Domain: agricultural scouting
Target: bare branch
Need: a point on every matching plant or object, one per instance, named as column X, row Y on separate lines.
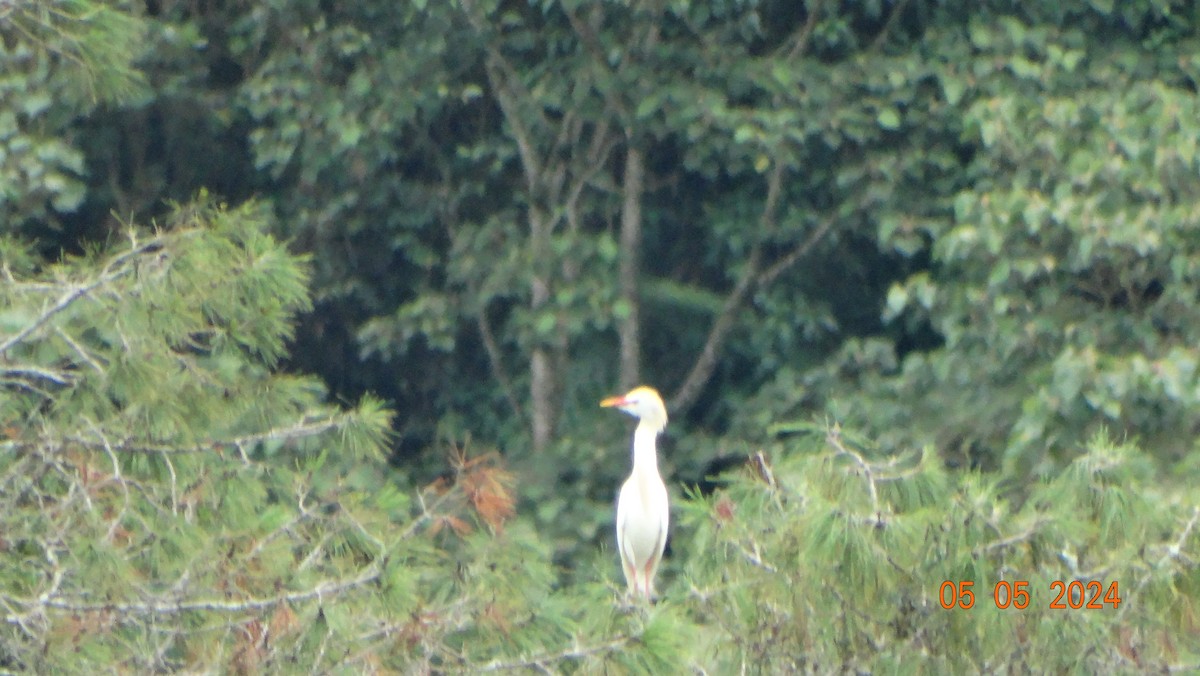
column 83, row 354
column 504, row 80
column 496, row 359
column 34, row 373
column 1025, row 535
column 800, row 43
column 769, row 275
column 1174, row 551
column 754, row 556
column 166, row 607
column 591, row 42
column 887, row 26
column 834, row 438
column 542, row 662
column 703, row 367
column 751, row 279
column 65, row 301
column 298, row 430
column 602, row 145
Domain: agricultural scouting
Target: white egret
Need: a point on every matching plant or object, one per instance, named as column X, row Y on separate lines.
column 642, row 509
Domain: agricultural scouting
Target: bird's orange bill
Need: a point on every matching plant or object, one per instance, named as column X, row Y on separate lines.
column 612, row 401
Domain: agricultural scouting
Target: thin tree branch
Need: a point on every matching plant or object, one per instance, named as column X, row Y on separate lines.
column 887, row 26
column 34, row 373
column 298, row 430
column 1174, row 551
column 1011, row 540
column 602, row 146
column 49, row 598
column 76, row 292
column 754, row 556
column 503, row 79
column 801, row 41
column 165, row 607
column 834, row 438
column 496, row 359
column 702, row 369
column 542, row 661
column 591, row 43
column 769, row 275
column 752, row 279
column 83, row 354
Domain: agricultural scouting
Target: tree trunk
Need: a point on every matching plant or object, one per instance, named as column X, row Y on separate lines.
column 541, row 367
column 629, row 327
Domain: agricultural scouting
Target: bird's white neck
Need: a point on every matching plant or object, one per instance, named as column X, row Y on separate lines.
column 645, row 454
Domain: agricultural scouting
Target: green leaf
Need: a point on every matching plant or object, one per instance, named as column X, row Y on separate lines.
column 621, row 309
column 470, row 92
column 744, row 133
column 647, row 107
column 897, row 300
column 35, row 103
column 889, row 118
column 545, row 324
column 953, row 89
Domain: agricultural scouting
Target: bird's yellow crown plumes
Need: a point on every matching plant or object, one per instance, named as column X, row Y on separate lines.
column 645, row 391
column 642, row 393
column 642, row 402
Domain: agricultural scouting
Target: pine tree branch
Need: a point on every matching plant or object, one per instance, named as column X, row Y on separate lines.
column 35, row 608
column 542, row 662
column 83, row 354
column 115, row 269
column 834, row 438
column 755, row 557
column 34, row 373
column 1025, row 535
column 161, row 607
column 28, row 387
column 1174, row 551
column 50, row 598
column 298, row 430
column 428, row 513
column 119, row 479
column 65, row 301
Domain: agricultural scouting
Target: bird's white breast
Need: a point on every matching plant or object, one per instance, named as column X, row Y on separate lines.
column 642, row 518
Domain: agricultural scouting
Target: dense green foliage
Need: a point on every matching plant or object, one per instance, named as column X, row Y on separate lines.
column 920, row 276
column 838, row 562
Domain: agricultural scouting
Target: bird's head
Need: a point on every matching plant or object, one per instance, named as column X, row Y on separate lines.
column 643, row 403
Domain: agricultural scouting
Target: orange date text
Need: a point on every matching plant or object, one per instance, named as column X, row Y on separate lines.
column 1076, row 594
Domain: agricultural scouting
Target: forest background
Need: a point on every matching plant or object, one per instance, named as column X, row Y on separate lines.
column 308, row 306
